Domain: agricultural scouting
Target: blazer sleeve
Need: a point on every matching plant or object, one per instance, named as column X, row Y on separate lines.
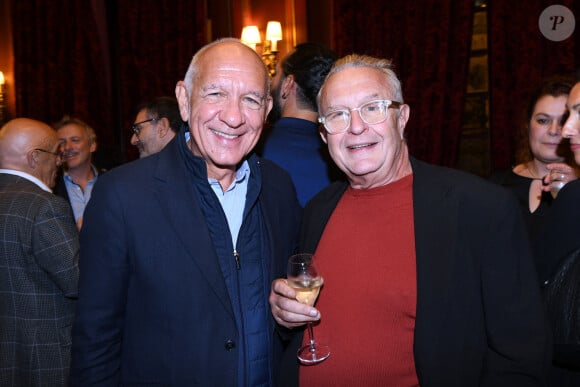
column 104, row 273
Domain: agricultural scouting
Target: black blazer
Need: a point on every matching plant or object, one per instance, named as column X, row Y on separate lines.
column 480, row 320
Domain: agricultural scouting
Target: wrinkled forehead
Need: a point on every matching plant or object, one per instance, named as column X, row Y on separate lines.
column 574, row 98
column 231, row 62
column 354, row 83
column 72, row 130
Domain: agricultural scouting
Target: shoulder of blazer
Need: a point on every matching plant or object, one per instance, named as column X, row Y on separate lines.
column 316, row 214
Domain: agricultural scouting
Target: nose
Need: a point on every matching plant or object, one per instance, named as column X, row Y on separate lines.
column 232, row 114
column 134, row 140
column 66, row 145
column 555, row 128
column 357, row 125
column 570, row 128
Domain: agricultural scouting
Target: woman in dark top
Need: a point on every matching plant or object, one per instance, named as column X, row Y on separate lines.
column 539, row 151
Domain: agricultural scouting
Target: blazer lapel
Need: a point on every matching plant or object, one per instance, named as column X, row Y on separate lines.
column 178, row 202
column 435, row 216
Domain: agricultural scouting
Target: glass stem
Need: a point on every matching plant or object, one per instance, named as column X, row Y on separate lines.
column 311, row 334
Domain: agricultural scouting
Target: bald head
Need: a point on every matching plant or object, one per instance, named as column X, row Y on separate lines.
column 225, row 99
column 222, row 50
column 30, row 146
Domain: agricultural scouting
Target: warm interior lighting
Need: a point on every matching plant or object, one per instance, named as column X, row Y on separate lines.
column 274, row 33
column 2, row 102
column 251, row 36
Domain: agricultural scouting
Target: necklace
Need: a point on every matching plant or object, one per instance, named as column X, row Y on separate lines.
column 532, row 172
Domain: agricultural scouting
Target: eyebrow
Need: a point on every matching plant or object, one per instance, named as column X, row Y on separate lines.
column 214, row 86
column 368, row 98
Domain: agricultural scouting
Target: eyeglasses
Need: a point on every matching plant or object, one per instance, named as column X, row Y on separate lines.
column 372, row 112
column 136, row 127
column 57, row 154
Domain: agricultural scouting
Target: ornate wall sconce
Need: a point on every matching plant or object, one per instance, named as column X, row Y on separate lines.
column 251, row 37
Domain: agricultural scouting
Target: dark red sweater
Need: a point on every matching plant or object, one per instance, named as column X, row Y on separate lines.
column 367, row 258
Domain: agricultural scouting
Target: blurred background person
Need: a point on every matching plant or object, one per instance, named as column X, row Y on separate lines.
column 38, row 259
column 78, row 175
column 156, row 124
column 540, row 150
column 294, row 142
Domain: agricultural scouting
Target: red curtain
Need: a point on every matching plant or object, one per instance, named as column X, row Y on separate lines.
column 97, row 60
column 520, row 56
column 429, row 44
column 156, row 43
column 58, row 63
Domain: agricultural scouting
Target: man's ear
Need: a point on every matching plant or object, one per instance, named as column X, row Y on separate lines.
column 323, row 133
column 183, row 100
column 287, row 86
column 93, row 147
column 403, row 118
column 32, row 158
column 163, row 126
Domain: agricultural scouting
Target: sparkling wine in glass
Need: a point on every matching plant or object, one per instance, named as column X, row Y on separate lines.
column 304, row 277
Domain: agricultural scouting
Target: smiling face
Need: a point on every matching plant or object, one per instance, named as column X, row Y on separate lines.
column 227, row 107
column 571, row 128
column 370, row 155
column 76, row 146
column 545, row 128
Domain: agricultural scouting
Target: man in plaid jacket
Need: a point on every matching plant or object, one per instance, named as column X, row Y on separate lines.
column 38, row 259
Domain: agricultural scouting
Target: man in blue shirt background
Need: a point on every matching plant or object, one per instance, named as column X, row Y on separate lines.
column 79, row 175
column 294, row 142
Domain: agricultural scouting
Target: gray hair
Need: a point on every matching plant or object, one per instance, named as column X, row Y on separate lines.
column 68, row 120
column 385, row 66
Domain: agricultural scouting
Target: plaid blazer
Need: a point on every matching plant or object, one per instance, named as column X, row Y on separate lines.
column 38, row 284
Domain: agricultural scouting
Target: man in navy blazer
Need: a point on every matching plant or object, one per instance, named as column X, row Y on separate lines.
column 178, row 249
column 428, row 275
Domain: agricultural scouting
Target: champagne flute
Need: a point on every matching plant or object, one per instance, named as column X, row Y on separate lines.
column 557, row 181
column 303, row 276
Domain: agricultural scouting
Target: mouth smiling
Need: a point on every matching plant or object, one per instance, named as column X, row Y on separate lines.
column 360, row 146
column 225, row 135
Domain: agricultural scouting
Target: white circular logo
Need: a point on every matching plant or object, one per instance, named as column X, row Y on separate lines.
column 557, row 23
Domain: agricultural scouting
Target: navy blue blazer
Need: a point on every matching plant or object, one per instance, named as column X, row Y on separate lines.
column 480, row 320
column 153, row 304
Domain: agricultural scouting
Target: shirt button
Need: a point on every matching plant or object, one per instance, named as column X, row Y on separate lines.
column 230, row 345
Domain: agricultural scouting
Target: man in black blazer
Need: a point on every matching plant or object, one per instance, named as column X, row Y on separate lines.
column 38, row 259
column 179, row 248
column 428, row 276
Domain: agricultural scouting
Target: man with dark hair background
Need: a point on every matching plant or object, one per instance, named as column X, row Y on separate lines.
column 155, row 125
column 294, row 142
